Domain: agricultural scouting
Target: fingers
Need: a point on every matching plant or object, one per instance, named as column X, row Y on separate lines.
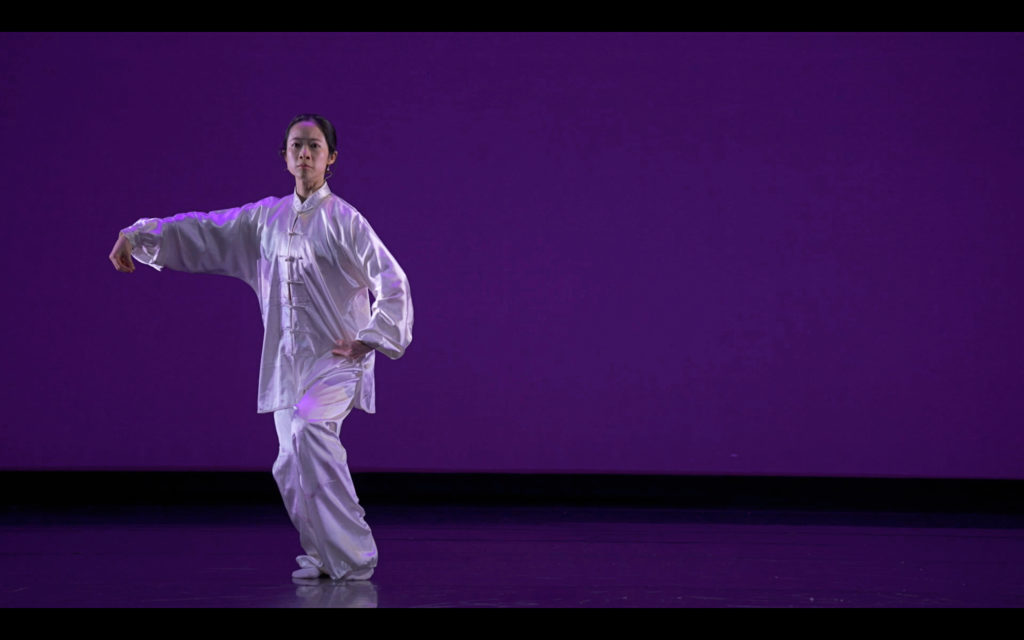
column 121, row 255
column 347, row 349
column 122, row 263
column 351, row 349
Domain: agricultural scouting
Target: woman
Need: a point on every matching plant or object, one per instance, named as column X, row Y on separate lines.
column 311, row 258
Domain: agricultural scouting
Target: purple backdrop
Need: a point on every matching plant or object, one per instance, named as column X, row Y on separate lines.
column 662, row 253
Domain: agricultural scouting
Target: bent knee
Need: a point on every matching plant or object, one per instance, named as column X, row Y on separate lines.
column 304, row 431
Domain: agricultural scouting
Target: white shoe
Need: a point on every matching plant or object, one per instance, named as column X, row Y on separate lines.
column 308, row 573
column 359, row 575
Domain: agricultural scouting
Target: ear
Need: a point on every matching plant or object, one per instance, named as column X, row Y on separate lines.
column 331, row 159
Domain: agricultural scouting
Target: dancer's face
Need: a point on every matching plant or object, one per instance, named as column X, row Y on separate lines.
column 307, row 153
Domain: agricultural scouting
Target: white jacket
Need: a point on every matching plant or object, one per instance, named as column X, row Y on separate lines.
column 312, row 264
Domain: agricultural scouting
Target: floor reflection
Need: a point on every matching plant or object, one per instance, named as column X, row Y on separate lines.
column 488, row 557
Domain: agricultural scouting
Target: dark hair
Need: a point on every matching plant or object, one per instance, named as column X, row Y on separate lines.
column 323, row 123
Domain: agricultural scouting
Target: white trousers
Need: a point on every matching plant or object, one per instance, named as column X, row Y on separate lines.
column 312, row 474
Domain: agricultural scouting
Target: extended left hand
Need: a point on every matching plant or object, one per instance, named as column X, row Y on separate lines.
column 352, row 349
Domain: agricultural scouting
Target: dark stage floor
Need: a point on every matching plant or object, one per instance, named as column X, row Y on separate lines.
column 463, row 556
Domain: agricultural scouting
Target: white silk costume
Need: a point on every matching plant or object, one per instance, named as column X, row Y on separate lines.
column 311, row 264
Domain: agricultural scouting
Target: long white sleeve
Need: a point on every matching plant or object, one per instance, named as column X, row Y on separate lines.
column 224, row 242
column 391, row 319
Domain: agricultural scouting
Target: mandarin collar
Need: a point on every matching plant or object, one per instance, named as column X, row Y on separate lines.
column 312, row 201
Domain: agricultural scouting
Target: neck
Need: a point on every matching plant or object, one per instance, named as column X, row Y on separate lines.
column 304, row 189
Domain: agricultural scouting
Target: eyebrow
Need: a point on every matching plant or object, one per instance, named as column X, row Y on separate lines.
column 301, row 139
